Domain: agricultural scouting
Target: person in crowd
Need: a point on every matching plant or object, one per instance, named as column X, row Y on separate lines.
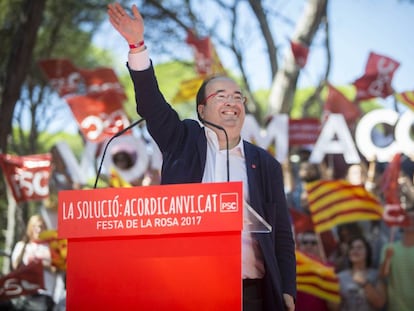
column 397, row 267
column 360, row 285
column 345, row 233
column 360, row 174
column 31, row 249
column 309, row 244
column 357, row 174
column 195, row 153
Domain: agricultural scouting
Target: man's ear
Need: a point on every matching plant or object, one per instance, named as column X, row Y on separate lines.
column 200, row 110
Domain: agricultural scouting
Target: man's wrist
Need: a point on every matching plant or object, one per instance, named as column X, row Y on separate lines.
column 136, row 45
column 137, row 50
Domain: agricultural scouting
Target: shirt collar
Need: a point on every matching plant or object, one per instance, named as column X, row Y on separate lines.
column 212, row 141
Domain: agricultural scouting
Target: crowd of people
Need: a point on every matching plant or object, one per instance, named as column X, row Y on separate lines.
column 374, row 262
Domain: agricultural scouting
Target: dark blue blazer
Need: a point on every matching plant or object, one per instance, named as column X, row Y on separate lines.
column 184, row 147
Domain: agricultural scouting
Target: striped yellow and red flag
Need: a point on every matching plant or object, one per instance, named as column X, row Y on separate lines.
column 407, row 98
column 316, row 278
column 334, row 202
column 116, row 180
column 188, row 90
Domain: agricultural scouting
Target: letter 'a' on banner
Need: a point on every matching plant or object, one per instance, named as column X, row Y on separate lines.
column 169, row 247
column 253, row 222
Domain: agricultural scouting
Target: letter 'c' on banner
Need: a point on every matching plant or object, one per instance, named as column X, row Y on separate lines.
column 402, row 134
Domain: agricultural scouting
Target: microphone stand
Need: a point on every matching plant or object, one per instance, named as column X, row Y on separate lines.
column 109, row 141
column 227, row 144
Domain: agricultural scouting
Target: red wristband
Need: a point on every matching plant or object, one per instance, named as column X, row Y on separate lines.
column 137, row 45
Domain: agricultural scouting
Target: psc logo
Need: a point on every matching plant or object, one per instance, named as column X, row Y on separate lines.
column 229, row 202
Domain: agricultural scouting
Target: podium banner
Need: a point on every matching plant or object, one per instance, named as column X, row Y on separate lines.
column 151, row 210
column 169, row 247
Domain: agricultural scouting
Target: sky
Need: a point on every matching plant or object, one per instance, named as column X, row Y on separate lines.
column 381, row 26
column 357, row 27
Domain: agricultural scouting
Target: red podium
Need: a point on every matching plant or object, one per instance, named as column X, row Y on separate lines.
column 172, row 247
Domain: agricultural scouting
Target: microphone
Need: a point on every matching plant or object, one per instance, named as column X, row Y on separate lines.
column 109, row 141
column 227, row 143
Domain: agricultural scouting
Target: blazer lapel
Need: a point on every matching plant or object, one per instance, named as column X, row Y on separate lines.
column 253, row 176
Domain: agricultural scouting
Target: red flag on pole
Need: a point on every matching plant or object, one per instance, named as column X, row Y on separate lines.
column 389, row 180
column 25, row 280
column 376, row 82
column 336, row 102
column 62, row 74
column 300, row 53
column 99, row 115
column 206, row 58
column 27, row 176
column 395, row 216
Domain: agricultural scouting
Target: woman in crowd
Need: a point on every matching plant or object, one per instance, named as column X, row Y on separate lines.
column 32, row 249
column 361, row 289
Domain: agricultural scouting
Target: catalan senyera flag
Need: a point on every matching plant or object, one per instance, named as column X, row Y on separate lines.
column 188, row 89
column 333, row 202
column 407, row 98
column 316, row 278
column 117, row 181
column 58, row 248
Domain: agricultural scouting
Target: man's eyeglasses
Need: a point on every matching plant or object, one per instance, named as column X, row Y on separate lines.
column 223, row 98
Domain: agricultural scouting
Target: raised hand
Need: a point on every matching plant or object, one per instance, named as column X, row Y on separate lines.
column 129, row 27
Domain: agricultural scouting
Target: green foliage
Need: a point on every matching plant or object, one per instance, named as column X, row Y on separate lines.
column 169, row 75
column 67, row 30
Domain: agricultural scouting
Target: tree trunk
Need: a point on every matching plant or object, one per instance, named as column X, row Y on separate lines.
column 18, row 65
column 284, row 83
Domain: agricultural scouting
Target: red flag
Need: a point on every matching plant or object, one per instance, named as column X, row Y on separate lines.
column 27, row 176
column 334, row 202
column 300, row 53
column 395, row 215
column 376, row 82
column 206, row 58
column 102, row 79
column 301, row 221
column 336, row 102
column 25, row 280
column 389, row 180
column 63, row 75
column 67, row 79
column 99, row 115
column 304, row 131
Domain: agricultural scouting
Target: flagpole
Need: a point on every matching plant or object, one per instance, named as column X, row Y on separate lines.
column 387, row 260
column 320, row 247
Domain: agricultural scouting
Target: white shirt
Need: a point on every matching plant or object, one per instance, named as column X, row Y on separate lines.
column 216, row 171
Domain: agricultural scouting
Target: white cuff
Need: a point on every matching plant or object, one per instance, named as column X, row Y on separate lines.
column 139, row 61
